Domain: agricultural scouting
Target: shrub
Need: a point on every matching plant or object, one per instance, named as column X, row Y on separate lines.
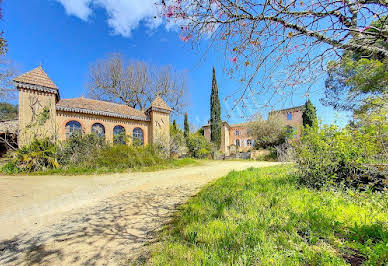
column 10, row 168
column 331, row 156
column 198, row 146
column 39, row 155
column 177, row 142
column 268, row 133
column 80, row 149
column 124, row 156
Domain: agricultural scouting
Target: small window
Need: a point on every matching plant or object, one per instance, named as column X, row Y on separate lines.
column 237, row 142
column 73, row 127
column 249, row 142
column 119, row 135
column 237, row 133
column 289, row 116
column 99, row 130
column 138, row 138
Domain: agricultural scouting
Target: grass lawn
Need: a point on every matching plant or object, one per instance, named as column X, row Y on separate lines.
column 167, row 164
column 261, row 216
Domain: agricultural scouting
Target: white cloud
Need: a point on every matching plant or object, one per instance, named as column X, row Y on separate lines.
column 123, row 15
column 78, row 8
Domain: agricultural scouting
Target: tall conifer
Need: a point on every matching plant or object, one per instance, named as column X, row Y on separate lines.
column 309, row 115
column 186, row 126
column 215, row 113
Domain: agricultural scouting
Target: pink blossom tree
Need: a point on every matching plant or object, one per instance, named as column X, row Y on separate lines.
column 276, row 46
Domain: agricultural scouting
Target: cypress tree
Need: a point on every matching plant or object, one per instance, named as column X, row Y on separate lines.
column 174, row 125
column 215, row 113
column 186, row 126
column 309, row 115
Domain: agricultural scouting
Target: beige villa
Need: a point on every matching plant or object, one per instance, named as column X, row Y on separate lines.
column 42, row 113
column 235, row 136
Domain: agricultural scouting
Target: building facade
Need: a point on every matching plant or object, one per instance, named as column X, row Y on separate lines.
column 42, row 113
column 235, row 137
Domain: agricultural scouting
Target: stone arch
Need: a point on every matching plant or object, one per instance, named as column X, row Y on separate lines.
column 138, row 136
column 72, row 127
column 119, row 134
column 98, row 129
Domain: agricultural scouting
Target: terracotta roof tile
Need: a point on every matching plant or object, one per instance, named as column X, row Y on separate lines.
column 101, row 106
column 158, row 102
column 36, row 76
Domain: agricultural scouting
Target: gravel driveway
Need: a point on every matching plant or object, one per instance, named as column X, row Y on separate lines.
column 94, row 220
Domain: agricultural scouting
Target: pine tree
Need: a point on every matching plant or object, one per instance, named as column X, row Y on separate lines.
column 186, row 126
column 309, row 115
column 215, row 113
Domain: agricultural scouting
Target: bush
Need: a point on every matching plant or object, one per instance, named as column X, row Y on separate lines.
column 10, row 168
column 333, row 156
column 124, row 156
column 80, row 149
column 198, row 146
column 268, row 133
column 177, row 142
column 37, row 156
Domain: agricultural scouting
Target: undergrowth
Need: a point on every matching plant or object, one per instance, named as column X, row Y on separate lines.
column 262, row 216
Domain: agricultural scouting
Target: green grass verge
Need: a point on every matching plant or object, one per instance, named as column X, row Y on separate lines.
column 261, row 216
column 167, row 164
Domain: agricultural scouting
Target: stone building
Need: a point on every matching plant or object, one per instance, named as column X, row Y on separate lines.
column 42, row 113
column 235, row 136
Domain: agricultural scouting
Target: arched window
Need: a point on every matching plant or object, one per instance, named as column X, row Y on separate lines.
column 119, row 135
column 98, row 129
column 72, row 127
column 138, row 137
column 237, row 142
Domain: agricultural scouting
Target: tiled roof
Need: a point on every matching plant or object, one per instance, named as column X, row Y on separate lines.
column 288, row 109
column 85, row 105
column 36, row 76
column 158, row 102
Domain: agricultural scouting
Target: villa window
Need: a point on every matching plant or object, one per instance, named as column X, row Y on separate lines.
column 138, row 137
column 99, row 130
column 119, row 135
column 289, row 116
column 72, row 127
column 237, row 133
column 237, row 142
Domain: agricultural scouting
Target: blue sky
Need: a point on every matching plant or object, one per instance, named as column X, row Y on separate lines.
column 66, row 36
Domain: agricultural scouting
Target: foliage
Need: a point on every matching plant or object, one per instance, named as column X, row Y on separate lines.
column 174, row 126
column 263, row 217
column 8, row 111
column 268, row 133
column 10, row 168
column 215, row 114
column 333, row 156
column 80, row 149
column 350, row 81
column 126, row 156
column 186, row 127
column 177, row 142
column 198, row 146
column 37, row 156
column 136, row 83
column 287, row 41
column 309, row 115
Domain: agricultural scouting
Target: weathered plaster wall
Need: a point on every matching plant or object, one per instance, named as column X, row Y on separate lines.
column 31, row 105
column 160, row 128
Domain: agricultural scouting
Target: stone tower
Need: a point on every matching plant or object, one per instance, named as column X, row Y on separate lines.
column 37, row 98
column 159, row 112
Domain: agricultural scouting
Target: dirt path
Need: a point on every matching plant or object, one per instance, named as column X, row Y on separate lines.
column 93, row 220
